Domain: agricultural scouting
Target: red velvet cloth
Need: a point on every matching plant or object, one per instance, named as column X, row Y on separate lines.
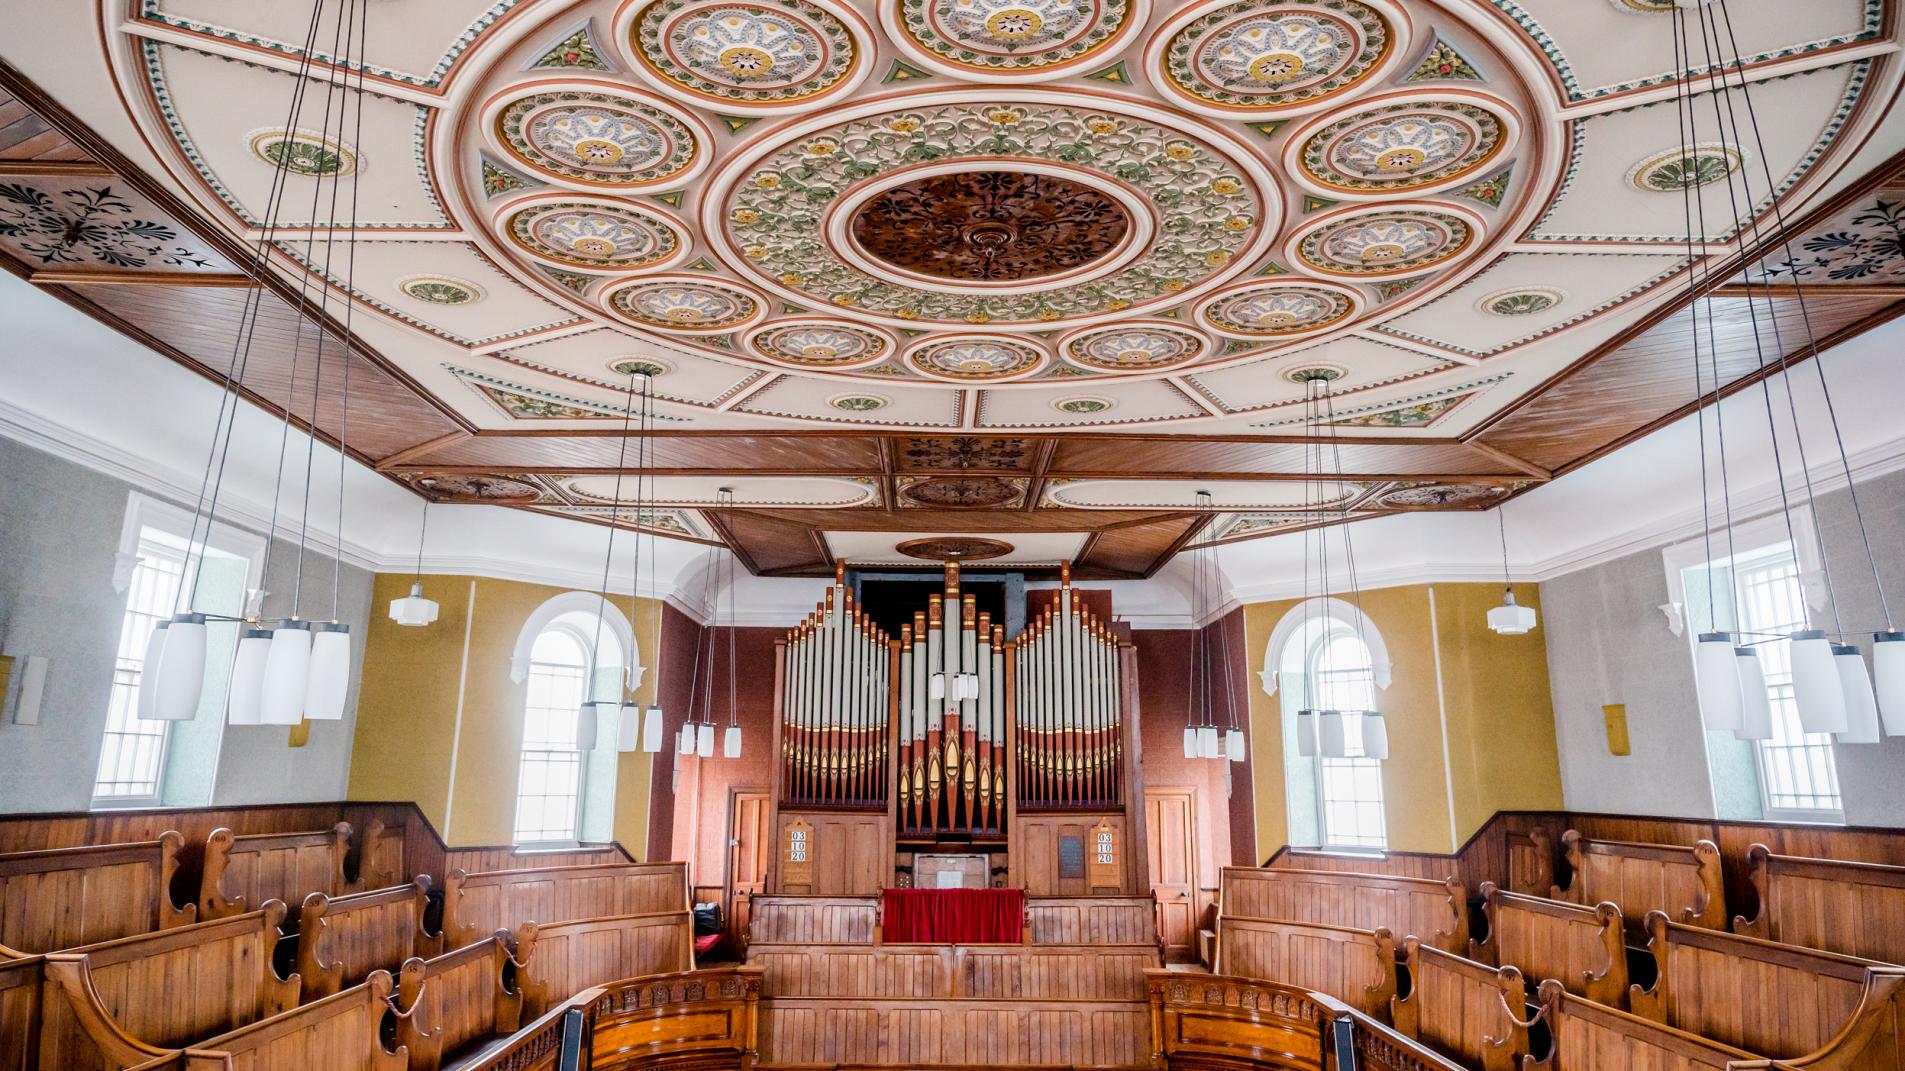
column 952, row 916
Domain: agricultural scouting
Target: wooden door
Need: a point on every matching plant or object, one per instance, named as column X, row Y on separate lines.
column 1170, row 829
column 748, row 845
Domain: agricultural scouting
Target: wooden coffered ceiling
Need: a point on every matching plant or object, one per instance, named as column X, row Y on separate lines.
column 182, row 281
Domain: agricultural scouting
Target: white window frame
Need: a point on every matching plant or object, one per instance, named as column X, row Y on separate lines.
column 144, row 513
column 1332, row 617
column 581, row 757
column 1333, row 629
column 568, row 611
column 1749, row 540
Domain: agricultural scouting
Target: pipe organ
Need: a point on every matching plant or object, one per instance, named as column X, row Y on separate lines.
column 954, row 736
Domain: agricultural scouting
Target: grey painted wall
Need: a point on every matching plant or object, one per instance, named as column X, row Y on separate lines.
column 59, row 532
column 1608, row 643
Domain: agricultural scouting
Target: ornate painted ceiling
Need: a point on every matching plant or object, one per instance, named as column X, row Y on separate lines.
column 1088, row 254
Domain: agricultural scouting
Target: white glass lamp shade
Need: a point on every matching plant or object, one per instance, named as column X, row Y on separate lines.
column 1306, row 733
column 149, row 671
column 704, row 740
column 1190, row 741
column 1716, row 678
column 1511, row 618
column 652, row 730
column 330, row 682
column 287, row 674
column 1332, row 741
column 413, row 609
column 1817, row 690
column 244, row 703
column 685, row 739
column 1375, row 736
column 1861, row 707
column 1234, row 745
column 181, row 677
column 1756, row 707
column 628, row 728
column 936, row 686
column 587, row 727
column 1888, row 679
column 1208, row 744
column 731, row 743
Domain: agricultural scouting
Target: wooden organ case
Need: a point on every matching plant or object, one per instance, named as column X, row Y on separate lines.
column 953, row 749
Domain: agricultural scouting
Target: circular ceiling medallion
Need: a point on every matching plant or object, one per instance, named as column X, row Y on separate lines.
column 303, row 152
column 599, row 136
column 652, row 367
column 691, row 304
column 859, row 403
column 1433, row 495
column 749, row 55
column 1315, row 373
column 1134, row 346
column 605, row 236
column 440, row 289
column 822, row 343
column 1386, row 241
column 1679, row 168
column 1083, row 404
column 479, row 488
column 1414, row 145
column 962, row 492
column 1027, row 40
column 990, row 226
column 955, row 548
column 1521, row 300
column 1062, row 213
column 976, row 358
column 1279, row 309
column 1263, row 58
column 1651, row 7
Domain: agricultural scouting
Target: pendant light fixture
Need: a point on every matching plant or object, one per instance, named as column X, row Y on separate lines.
column 629, row 735
column 1832, row 692
column 1510, row 618
column 731, row 738
column 413, row 610
column 589, row 712
column 1202, row 739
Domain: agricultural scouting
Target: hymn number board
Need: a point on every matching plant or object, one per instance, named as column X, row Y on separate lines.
column 1105, row 857
column 797, row 853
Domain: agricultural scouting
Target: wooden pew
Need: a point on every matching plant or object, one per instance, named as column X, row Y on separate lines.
column 124, row 1002
column 1776, row 1000
column 813, row 920
column 563, row 958
column 1463, row 1008
column 66, row 897
column 505, row 899
column 1092, row 920
column 238, row 871
column 1436, row 911
column 1850, row 908
column 341, row 1032
column 510, row 857
column 954, row 1033
column 1530, row 862
column 1585, row 948
column 1638, row 878
column 342, row 941
column 376, row 857
column 21, row 978
column 955, row 972
column 1357, row 967
column 457, row 1004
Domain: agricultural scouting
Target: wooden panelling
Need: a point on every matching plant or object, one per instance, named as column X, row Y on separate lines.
column 1583, row 947
column 1183, row 455
column 20, row 983
column 237, row 873
column 1379, row 1048
column 813, row 920
column 707, row 1018
column 1435, row 911
column 1356, row 967
column 562, row 959
column 1212, row 1022
column 1139, row 549
column 106, row 1002
column 1020, row 1033
column 1857, row 909
column 1771, row 999
column 852, row 854
column 343, row 941
column 483, row 860
column 1531, row 859
column 1463, row 1008
column 1035, row 854
column 958, row 972
column 456, row 1002
column 1593, row 1037
column 25, row 136
column 571, row 452
column 1092, row 920
column 63, row 897
column 506, row 899
column 1682, row 881
column 338, row 1033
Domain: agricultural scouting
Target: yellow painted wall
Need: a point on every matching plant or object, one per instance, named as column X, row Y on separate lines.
column 1501, row 742
column 409, row 734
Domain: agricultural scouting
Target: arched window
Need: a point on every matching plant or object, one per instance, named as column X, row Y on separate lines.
column 566, row 658
column 1325, row 655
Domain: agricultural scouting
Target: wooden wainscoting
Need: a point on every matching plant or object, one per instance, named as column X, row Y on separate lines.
column 1434, row 910
column 814, row 920
column 851, row 852
column 900, row 1033
column 564, row 958
column 1357, row 967
column 1091, row 920
column 956, row 972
